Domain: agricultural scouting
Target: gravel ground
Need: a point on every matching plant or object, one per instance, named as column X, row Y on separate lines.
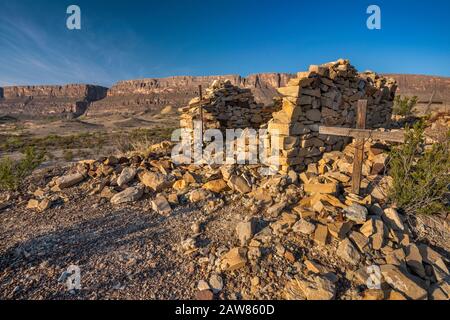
column 131, row 252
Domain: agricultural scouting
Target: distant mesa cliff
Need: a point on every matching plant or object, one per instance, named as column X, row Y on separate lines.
column 151, row 95
column 424, row 87
column 35, row 101
column 135, row 96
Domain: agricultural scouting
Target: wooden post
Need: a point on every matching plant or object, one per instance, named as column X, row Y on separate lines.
column 200, row 93
column 359, row 147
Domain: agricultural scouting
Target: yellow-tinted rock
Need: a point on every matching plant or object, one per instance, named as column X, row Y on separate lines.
column 216, row 186
column 234, row 259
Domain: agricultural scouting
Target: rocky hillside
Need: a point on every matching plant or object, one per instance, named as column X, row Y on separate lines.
column 136, row 96
column 32, row 101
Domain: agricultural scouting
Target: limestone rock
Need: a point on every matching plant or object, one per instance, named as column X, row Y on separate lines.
column 128, row 195
column 356, row 213
column 216, row 186
column 412, row 287
column 161, row 205
column 375, row 230
column 32, row 204
column 126, row 176
column 69, row 180
column 180, row 185
column 203, row 285
column 392, row 218
column 305, row 227
column 359, row 239
column 234, row 259
column 216, row 283
column 245, row 231
column 315, row 267
column 348, row 252
column 198, row 195
column 414, row 260
column 321, row 234
column 339, row 230
column 320, row 288
column 239, row 184
column 155, row 181
column 320, row 188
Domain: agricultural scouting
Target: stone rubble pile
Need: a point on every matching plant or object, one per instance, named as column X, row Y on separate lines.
column 225, row 106
column 314, row 210
column 326, row 95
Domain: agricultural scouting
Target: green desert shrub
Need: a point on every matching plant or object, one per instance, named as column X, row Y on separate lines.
column 403, row 106
column 421, row 176
column 12, row 172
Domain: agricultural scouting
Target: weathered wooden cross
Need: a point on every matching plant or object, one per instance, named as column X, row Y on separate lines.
column 361, row 134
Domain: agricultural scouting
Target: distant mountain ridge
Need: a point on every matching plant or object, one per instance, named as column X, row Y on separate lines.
column 153, row 94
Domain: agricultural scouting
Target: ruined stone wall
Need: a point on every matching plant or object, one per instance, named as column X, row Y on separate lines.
column 326, row 95
column 225, row 106
column 37, row 101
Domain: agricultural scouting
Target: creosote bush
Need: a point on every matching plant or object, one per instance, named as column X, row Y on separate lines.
column 421, row 175
column 12, row 172
column 404, row 106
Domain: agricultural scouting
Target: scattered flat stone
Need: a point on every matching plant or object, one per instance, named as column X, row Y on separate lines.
column 180, row 185
column 239, row 184
column 392, row 218
column 327, row 188
column 216, row 186
column 379, row 237
column 320, row 288
column 33, row 204
column 374, row 230
column 347, row 252
column 155, row 181
column 305, row 227
column 44, row 205
column 433, row 258
column 245, row 231
column 356, row 213
column 126, row 176
column 69, row 180
column 373, row 294
column 316, row 267
column 198, row 195
column 234, row 259
column 321, row 234
column 359, row 239
column 276, row 209
column 203, row 285
column 216, row 283
column 414, row 260
column 189, row 178
column 284, row 224
column 339, row 230
column 128, row 195
column 410, row 286
column 161, row 205
column 395, row 296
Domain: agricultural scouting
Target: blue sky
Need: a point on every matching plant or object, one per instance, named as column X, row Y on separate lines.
column 136, row 39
